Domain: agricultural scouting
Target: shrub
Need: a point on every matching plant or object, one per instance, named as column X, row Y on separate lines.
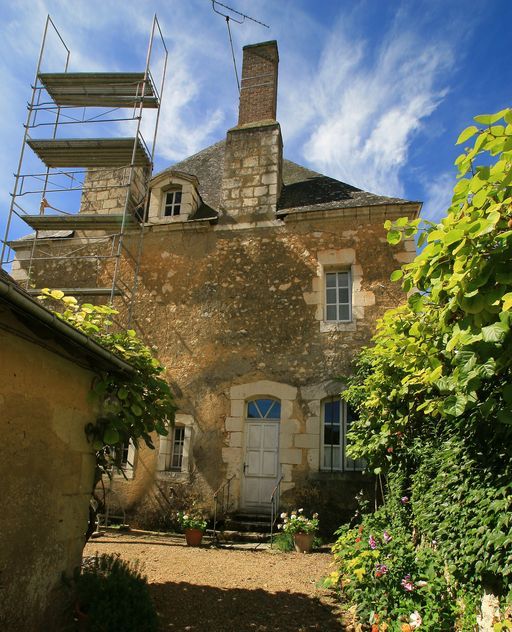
column 113, row 595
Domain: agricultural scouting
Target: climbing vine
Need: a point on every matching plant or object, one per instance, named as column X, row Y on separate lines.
column 434, row 391
column 130, row 406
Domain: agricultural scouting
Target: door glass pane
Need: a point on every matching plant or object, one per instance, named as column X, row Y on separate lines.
column 275, row 411
column 264, row 406
column 252, row 411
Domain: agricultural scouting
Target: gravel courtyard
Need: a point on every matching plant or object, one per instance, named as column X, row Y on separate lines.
column 222, row 590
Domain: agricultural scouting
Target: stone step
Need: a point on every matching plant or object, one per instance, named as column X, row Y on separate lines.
column 229, row 535
column 257, row 526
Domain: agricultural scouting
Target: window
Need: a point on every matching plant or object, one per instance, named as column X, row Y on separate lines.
column 338, row 297
column 336, row 420
column 126, row 460
column 174, row 454
column 178, row 442
column 172, row 203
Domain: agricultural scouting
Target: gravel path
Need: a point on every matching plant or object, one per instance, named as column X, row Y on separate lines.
column 218, row 590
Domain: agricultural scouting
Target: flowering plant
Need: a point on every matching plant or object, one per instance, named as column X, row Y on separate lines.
column 191, row 521
column 297, row 522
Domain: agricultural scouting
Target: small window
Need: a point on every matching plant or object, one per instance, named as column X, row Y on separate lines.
column 172, row 203
column 178, row 443
column 336, row 420
column 338, row 297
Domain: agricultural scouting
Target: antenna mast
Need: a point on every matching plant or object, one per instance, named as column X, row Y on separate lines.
column 238, row 21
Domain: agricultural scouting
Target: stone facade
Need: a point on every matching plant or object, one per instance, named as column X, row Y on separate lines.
column 233, row 297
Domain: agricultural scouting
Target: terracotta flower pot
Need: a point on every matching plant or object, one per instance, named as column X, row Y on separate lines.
column 193, row 537
column 303, row 542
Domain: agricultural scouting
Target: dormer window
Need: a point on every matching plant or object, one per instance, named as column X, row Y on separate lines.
column 172, row 203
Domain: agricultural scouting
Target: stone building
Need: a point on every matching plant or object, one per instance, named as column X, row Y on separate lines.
column 259, row 281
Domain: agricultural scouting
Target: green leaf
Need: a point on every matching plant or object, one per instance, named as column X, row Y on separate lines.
column 467, row 133
column 136, row 410
column 494, row 333
column 455, row 405
column 111, row 436
column 453, row 236
column 57, row 294
column 394, row 237
column 396, row 275
column 401, row 222
column 507, row 301
column 479, row 198
column 505, row 416
column 489, row 119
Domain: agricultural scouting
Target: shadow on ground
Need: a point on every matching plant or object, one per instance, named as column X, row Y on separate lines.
column 182, row 606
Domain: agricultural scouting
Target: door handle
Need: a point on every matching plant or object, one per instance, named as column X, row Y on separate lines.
column 245, row 467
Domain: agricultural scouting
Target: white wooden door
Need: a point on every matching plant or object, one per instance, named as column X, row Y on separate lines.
column 261, row 464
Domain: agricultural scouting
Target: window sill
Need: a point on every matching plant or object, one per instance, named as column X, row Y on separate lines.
column 327, row 326
column 173, row 475
column 347, row 475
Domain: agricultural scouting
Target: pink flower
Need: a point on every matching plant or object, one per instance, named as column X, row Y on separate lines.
column 387, row 538
column 380, row 570
column 372, row 542
column 404, row 500
column 407, row 583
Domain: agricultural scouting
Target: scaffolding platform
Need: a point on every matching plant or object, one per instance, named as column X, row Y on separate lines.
column 79, row 221
column 91, row 152
column 100, row 89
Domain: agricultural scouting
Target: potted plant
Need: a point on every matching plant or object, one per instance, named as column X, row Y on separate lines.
column 301, row 528
column 194, row 527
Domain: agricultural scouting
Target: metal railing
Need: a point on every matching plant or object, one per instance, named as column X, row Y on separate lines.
column 221, row 502
column 275, row 501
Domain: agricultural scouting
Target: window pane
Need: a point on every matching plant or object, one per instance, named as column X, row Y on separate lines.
column 177, row 197
column 343, row 279
column 343, row 295
column 331, row 435
column 344, row 312
column 336, row 459
column 177, row 448
column 252, row 411
column 331, row 312
column 331, row 295
column 330, row 279
column 275, row 411
column 332, row 411
column 177, row 208
column 264, row 406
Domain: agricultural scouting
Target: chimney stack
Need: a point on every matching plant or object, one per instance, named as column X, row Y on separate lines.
column 252, row 177
column 258, row 90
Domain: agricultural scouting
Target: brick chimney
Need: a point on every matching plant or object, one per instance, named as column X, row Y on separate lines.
column 252, row 179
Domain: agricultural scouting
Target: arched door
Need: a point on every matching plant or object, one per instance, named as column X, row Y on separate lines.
column 261, row 458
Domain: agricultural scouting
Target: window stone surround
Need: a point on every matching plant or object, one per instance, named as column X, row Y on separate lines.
column 338, row 260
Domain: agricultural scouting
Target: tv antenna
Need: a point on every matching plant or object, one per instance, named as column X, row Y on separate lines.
column 240, row 19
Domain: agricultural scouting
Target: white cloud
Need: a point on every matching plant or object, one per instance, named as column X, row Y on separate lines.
column 365, row 104
column 439, row 192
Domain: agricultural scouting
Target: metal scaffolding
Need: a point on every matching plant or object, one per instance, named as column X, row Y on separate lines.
column 58, row 200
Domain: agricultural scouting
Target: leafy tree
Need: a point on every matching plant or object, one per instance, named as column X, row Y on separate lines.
column 434, row 391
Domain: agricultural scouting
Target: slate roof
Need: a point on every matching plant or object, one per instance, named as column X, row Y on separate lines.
column 303, row 190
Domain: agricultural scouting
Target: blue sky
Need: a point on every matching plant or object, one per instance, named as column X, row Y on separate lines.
column 372, row 93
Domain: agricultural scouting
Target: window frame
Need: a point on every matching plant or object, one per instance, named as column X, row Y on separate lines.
column 174, row 204
column 346, row 464
column 337, row 288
